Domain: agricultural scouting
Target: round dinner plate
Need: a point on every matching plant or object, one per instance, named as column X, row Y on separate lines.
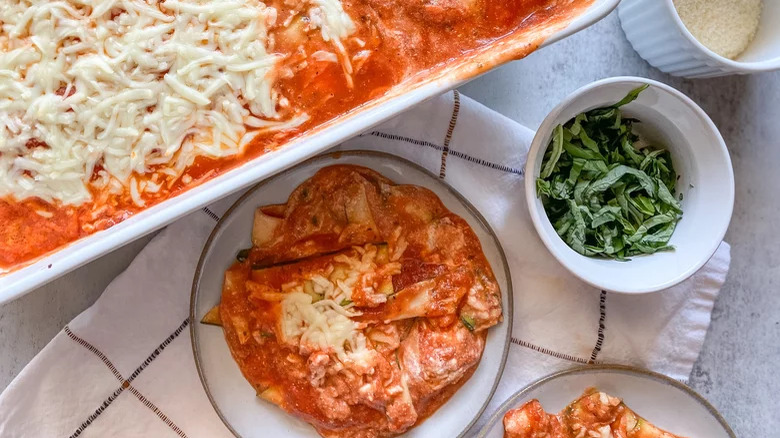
column 664, row 402
column 234, row 399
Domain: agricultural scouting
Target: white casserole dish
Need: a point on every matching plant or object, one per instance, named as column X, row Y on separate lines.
column 20, row 281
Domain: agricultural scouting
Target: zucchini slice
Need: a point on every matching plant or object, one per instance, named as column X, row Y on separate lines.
column 212, row 317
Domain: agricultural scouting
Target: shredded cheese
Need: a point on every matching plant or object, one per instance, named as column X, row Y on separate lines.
column 335, row 25
column 122, row 95
column 316, row 310
column 727, row 27
column 321, row 326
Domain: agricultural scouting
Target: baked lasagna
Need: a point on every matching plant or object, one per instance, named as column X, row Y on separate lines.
column 594, row 415
column 110, row 106
column 362, row 305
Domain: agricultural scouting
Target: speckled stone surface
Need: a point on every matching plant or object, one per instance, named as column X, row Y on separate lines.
column 737, row 370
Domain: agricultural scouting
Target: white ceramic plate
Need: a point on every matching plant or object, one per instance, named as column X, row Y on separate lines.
column 664, row 402
column 234, row 399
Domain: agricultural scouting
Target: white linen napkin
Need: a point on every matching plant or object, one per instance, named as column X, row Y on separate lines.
column 124, row 367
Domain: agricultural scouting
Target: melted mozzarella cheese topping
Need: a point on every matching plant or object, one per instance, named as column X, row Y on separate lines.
column 321, row 326
column 123, row 95
column 316, row 312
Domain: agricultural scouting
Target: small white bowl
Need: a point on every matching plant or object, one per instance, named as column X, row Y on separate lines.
column 658, row 34
column 706, row 179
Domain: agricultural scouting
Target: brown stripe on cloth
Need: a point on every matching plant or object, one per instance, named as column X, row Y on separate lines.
column 95, row 351
column 395, row 137
column 93, row 416
column 126, row 382
column 159, row 350
column 602, row 325
column 211, row 214
column 451, row 153
column 157, row 411
column 549, row 352
column 450, row 130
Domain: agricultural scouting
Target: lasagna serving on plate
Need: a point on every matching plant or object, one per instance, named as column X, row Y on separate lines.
column 110, row 106
column 594, row 415
column 362, row 305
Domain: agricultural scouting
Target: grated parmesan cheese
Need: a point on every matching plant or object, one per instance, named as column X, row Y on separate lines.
column 123, row 95
column 727, row 27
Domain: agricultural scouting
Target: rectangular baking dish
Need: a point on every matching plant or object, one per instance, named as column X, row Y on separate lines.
column 18, row 282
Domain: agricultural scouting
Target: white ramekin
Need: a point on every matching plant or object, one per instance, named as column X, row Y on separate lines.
column 659, row 36
column 706, row 179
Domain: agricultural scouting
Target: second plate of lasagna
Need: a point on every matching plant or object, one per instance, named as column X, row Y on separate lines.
column 598, row 401
column 354, row 295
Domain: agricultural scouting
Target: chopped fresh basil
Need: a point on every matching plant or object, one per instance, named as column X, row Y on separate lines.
column 604, row 195
column 468, row 322
column 631, row 96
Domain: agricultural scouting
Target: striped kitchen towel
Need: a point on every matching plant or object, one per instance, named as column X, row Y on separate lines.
column 124, row 367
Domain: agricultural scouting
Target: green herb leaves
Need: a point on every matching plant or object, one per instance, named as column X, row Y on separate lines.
column 557, row 149
column 468, row 322
column 631, row 96
column 604, row 196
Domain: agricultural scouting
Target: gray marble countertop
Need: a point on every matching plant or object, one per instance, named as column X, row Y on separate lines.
column 737, row 370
